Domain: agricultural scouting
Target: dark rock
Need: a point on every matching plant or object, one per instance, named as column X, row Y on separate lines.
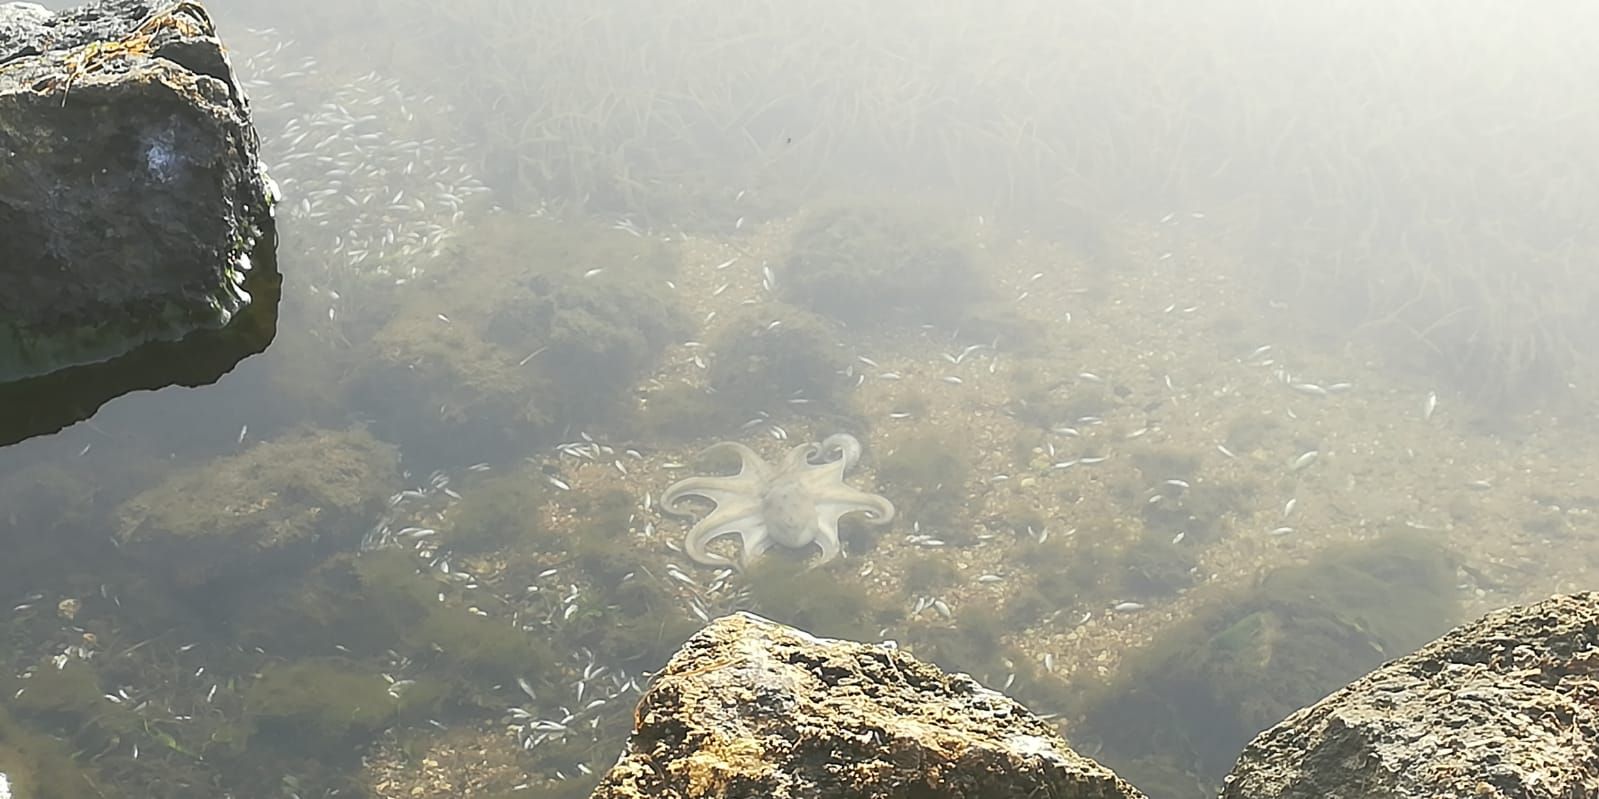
column 132, row 199
column 1507, row 706
column 752, row 708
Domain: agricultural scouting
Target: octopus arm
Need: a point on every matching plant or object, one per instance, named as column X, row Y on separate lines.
column 750, row 528
column 827, row 536
column 750, row 464
column 720, row 490
column 843, row 503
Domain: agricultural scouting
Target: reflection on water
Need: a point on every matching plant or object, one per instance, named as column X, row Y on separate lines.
column 1165, row 470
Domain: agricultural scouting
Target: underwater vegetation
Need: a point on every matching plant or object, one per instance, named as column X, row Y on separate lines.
column 1179, row 711
column 924, row 472
column 501, row 509
column 828, row 600
column 523, row 328
column 881, row 263
column 680, row 412
column 272, row 508
column 1445, row 224
column 37, row 764
column 328, row 706
column 779, row 359
column 1102, row 563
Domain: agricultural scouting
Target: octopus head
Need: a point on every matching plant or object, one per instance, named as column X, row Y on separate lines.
column 790, row 514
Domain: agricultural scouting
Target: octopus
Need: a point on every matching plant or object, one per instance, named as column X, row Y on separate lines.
column 794, row 504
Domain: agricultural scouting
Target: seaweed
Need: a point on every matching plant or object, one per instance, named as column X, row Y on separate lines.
column 498, row 511
column 777, row 359
column 530, row 327
column 875, row 263
column 827, row 601
column 1250, row 657
column 321, row 706
column 271, row 509
column 924, row 474
column 680, row 412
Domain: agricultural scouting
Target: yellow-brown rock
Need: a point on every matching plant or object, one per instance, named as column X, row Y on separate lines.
column 752, row 708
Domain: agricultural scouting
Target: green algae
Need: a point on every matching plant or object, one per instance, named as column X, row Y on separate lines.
column 924, row 474
column 272, row 508
column 324, row 706
column 929, row 572
column 524, row 328
column 497, row 511
column 778, row 358
column 869, row 263
column 828, row 600
column 39, row 766
column 1249, row 657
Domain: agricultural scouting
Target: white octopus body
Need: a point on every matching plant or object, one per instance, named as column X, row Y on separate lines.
column 793, row 504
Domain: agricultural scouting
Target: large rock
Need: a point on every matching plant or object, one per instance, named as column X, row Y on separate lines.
column 254, row 516
column 752, row 708
column 131, row 193
column 1507, row 706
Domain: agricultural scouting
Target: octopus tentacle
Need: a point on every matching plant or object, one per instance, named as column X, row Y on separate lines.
column 827, row 538
column 749, row 463
column 716, row 489
column 703, row 534
column 848, row 446
column 878, row 509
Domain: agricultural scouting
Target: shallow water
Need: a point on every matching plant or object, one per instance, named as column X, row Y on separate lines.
column 1202, row 382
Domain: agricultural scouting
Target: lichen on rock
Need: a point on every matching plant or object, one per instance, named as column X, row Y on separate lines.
column 749, row 707
column 1506, row 706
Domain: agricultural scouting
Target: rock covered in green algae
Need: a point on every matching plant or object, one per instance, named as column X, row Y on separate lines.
column 272, row 506
column 752, row 708
column 1506, row 706
column 527, row 327
column 131, row 192
column 870, row 263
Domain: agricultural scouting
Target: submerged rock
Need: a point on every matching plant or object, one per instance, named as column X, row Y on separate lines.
column 132, row 199
column 255, row 515
column 1507, row 706
column 752, row 708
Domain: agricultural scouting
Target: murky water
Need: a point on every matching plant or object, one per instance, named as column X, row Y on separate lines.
column 1209, row 358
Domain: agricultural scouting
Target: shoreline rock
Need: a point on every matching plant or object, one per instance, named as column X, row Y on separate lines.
column 1505, row 706
column 132, row 196
column 752, row 708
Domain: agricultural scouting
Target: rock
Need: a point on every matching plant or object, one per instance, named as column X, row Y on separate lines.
column 752, row 708
column 132, row 200
column 1507, row 706
column 253, row 516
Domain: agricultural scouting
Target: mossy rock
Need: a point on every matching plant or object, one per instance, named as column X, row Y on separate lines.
column 66, row 695
column 497, row 511
column 272, row 508
column 324, row 705
column 523, row 328
column 681, row 412
column 827, row 601
column 1249, row 658
column 778, row 359
column 924, row 474
column 39, row 766
column 884, row 262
